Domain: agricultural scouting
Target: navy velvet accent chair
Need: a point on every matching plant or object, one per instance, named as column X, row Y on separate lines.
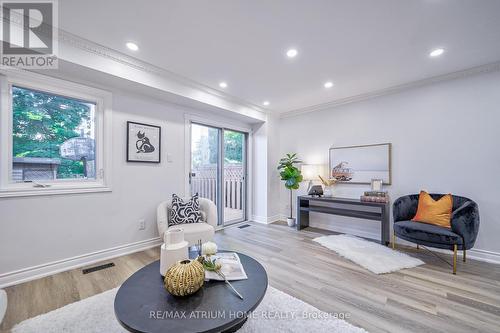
column 461, row 236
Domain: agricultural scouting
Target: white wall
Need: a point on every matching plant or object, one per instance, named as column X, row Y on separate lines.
column 266, row 178
column 274, row 182
column 260, row 175
column 44, row 229
column 445, row 138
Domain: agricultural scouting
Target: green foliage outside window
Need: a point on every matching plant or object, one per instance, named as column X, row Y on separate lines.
column 42, row 122
column 233, row 148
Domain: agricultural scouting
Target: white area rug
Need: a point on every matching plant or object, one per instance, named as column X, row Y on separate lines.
column 374, row 257
column 278, row 312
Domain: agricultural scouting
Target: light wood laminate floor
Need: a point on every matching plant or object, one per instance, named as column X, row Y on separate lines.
column 422, row 299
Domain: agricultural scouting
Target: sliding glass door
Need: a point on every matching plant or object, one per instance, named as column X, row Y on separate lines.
column 219, row 168
column 234, row 171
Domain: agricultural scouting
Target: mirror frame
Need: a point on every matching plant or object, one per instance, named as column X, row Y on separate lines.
column 389, row 145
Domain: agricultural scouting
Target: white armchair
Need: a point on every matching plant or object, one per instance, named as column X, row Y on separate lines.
column 192, row 231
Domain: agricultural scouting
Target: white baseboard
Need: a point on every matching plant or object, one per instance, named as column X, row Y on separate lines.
column 266, row 219
column 259, row 219
column 270, row 219
column 483, row 255
column 39, row 271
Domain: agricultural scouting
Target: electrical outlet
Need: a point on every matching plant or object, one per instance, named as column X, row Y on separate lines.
column 142, row 224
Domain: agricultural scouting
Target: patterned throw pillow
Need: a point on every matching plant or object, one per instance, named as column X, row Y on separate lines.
column 185, row 212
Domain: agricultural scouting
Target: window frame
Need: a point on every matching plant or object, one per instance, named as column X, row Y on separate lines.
column 103, row 135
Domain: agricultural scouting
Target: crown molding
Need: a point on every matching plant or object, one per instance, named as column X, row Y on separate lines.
column 482, row 69
column 124, row 59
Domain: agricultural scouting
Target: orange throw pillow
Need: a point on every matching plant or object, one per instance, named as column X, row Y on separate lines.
column 434, row 212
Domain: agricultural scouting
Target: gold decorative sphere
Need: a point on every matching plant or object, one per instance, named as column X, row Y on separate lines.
column 184, row 278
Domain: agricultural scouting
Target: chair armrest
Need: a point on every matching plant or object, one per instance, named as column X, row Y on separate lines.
column 465, row 222
column 405, row 208
column 210, row 210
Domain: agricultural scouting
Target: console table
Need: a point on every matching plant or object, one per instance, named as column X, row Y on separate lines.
column 305, row 205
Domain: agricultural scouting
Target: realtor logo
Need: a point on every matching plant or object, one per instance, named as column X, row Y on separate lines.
column 29, row 34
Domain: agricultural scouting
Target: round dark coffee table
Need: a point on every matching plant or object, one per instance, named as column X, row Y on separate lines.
column 143, row 305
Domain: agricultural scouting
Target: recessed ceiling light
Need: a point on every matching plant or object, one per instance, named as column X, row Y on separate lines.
column 436, row 53
column 223, row 84
column 291, row 53
column 328, row 84
column 132, row 46
column 265, row 103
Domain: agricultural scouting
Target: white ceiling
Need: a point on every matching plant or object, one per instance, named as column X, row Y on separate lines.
column 360, row 45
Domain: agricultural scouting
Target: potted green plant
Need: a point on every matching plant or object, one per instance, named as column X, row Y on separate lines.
column 292, row 177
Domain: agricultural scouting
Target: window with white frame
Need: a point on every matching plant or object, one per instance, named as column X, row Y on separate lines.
column 53, row 136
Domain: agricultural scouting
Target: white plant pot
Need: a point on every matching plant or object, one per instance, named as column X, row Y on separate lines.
column 290, row 221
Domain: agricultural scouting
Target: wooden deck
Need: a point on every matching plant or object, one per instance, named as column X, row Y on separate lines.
column 231, row 214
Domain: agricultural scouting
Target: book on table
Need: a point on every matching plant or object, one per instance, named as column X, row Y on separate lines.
column 231, row 267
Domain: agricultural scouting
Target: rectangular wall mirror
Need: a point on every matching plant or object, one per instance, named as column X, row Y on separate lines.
column 361, row 164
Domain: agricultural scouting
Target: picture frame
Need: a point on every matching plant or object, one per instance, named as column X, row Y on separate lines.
column 143, row 142
column 360, row 164
column 376, row 185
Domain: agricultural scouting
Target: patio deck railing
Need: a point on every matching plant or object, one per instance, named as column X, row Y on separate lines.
column 204, row 182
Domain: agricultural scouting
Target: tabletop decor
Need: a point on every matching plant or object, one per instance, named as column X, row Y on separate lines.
column 311, row 172
column 184, row 278
column 208, row 249
column 329, row 186
column 173, row 250
column 376, row 184
column 213, row 263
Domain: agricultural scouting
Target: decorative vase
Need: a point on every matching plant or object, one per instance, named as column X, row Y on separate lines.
column 290, row 221
column 174, row 249
column 184, row 278
column 328, row 191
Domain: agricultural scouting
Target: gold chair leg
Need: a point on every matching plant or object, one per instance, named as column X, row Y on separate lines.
column 465, row 252
column 393, row 240
column 455, row 259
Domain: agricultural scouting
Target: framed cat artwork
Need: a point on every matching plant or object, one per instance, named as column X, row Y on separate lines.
column 143, row 143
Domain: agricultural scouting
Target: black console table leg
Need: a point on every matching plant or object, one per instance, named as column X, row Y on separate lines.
column 385, row 227
column 302, row 215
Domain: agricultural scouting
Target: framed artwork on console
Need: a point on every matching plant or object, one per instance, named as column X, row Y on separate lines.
column 361, row 164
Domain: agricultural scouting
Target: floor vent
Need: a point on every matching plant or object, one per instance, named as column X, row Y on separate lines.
column 244, row 226
column 97, row 268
